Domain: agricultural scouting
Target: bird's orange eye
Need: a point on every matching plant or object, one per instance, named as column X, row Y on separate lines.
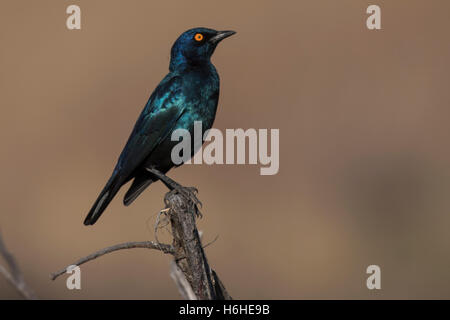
column 198, row 37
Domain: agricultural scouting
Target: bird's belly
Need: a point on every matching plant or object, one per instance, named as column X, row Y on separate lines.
column 161, row 157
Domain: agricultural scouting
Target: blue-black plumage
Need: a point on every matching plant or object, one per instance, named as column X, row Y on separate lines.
column 188, row 93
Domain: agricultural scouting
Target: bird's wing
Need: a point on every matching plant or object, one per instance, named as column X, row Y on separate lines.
column 163, row 109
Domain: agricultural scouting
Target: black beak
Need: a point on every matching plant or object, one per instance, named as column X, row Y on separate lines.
column 220, row 36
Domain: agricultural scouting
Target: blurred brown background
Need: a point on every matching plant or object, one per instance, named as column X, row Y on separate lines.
column 363, row 117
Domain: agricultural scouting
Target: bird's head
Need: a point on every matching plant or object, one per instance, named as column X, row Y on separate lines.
column 195, row 46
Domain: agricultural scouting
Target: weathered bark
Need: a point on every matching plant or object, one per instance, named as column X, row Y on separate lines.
column 188, row 251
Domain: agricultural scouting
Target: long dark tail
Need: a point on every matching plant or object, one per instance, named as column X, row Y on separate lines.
column 109, row 191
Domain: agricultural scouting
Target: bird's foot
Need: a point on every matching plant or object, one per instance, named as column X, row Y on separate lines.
column 190, row 195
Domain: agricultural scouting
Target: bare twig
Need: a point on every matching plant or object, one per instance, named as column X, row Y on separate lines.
column 127, row 245
column 209, row 243
column 15, row 277
column 180, row 280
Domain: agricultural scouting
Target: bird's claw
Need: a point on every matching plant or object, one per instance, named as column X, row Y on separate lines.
column 190, row 194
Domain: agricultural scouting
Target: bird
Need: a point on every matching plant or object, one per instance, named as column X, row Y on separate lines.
column 188, row 93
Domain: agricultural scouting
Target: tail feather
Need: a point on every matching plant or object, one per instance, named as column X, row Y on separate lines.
column 139, row 184
column 109, row 191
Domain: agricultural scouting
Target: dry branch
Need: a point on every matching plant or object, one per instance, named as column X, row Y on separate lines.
column 189, row 254
column 184, row 288
column 127, row 245
column 15, row 276
column 190, row 269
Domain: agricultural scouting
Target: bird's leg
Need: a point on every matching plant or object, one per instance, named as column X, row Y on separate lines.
column 190, row 193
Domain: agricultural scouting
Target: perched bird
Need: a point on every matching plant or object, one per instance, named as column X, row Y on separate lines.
column 188, row 93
